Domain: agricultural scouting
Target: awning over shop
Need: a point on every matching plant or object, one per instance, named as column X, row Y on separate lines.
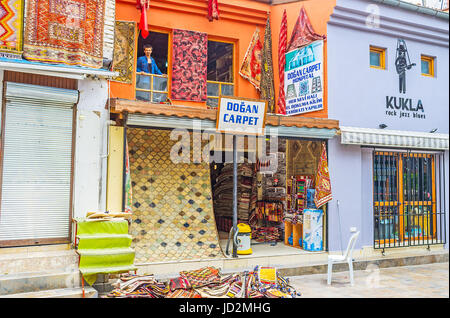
column 393, row 138
column 170, row 116
column 58, row 70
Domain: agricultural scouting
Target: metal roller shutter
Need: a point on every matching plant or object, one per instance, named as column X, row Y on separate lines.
column 37, row 162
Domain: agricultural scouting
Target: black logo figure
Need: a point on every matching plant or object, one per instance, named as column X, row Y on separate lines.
column 402, row 63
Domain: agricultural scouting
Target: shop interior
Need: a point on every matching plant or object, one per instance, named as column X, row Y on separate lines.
column 275, row 199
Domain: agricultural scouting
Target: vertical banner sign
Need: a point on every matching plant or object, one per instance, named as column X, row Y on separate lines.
column 241, row 116
column 303, row 79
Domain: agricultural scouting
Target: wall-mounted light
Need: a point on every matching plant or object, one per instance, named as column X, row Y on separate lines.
column 433, row 130
column 382, row 126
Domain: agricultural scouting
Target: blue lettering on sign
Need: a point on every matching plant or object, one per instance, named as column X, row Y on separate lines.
column 243, row 109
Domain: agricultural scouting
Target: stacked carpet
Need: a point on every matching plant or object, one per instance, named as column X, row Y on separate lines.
column 223, row 191
column 207, row 282
column 267, row 234
column 104, row 247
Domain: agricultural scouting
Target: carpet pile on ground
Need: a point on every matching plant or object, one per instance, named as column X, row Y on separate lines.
column 207, row 282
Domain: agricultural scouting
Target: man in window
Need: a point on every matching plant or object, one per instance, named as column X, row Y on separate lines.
column 146, row 64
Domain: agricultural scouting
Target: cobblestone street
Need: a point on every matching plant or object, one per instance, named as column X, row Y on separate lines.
column 419, row 281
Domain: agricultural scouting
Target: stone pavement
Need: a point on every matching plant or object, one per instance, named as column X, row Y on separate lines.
column 418, row 281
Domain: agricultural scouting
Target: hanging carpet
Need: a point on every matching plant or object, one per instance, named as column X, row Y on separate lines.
column 267, row 74
column 282, row 63
column 303, row 32
column 189, row 65
column 251, row 65
column 65, row 31
column 124, row 43
column 11, row 28
column 173, row 215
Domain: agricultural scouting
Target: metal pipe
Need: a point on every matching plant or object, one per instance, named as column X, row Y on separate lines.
column 124, row 165
column 235, row 159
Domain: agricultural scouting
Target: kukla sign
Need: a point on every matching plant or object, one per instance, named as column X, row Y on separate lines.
column 303, row 79
column 403, row 107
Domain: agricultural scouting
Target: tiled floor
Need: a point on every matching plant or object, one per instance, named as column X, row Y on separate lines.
column 419, row 281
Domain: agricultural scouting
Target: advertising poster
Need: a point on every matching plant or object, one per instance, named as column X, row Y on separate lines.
column 303, row 79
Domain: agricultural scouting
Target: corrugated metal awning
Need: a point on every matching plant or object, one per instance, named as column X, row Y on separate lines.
column 393, row 138
column 173, row 116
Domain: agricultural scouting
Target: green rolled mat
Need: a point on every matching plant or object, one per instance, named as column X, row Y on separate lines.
column 100, row 241
column 102, row 227
column 104, row 248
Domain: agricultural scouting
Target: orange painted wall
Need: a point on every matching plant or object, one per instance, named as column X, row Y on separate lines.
column 318, row 13
column 238, row 20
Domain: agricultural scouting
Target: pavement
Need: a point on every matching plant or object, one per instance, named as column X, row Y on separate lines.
column 418, row 281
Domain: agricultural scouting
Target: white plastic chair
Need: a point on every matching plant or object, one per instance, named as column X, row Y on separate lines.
column 333, row 259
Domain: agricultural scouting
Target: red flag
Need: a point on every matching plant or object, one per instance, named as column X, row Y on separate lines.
column 281, row 64
column 213, row 10
column 143, row 5
column 303, row 32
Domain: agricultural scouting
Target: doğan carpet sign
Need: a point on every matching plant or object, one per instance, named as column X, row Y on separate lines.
column 65, row 31
column 303, row 81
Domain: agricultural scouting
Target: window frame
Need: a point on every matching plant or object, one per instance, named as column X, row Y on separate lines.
column 168, row 76
column 430, row 60
column 233, row 67
column 382, row 52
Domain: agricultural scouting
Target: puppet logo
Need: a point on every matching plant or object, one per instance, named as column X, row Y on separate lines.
column 402, row 63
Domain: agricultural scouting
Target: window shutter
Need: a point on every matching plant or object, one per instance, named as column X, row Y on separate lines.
column 37, row 162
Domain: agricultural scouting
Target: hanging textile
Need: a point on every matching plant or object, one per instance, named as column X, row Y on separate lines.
column 267, row 85
column 213, row 10
column 303, row 32
column 11, row 28
column 61, row 33
column 251, row 65
column 128, row 188
column 143, row 5
column 123, row 59
column 282, row 63
column 323, row 186
column 189, row 65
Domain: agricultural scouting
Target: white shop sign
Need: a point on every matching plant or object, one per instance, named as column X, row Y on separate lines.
column 241, row 116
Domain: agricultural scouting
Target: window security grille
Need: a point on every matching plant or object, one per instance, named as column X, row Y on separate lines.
column 408, row 199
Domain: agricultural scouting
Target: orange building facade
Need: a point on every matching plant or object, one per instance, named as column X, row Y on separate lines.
column 237, row 22
column 178, row 210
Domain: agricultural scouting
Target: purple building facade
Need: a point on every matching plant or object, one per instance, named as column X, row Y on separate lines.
column 388, row 75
